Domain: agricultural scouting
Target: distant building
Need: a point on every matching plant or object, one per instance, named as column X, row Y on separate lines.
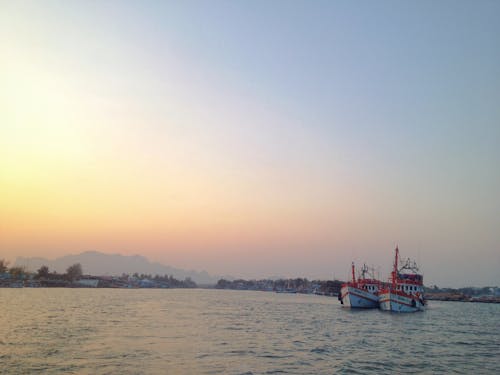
column 145, row 283
column 91, row 283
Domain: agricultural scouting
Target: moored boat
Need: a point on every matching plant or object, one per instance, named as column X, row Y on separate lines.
column 361, row 292
column 405, row 292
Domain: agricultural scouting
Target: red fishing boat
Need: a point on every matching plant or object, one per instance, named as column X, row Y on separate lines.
column 361, row 292
column 405, row 291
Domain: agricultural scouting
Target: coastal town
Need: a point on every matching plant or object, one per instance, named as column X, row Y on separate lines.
column 18, row 277
column 74, row 277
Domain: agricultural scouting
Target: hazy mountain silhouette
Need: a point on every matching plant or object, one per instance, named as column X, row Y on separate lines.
column 100, row 264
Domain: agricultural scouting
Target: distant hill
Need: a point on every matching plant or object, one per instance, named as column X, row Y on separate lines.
column 100, row 264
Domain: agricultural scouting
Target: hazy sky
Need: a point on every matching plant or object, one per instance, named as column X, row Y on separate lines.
column 254, row 138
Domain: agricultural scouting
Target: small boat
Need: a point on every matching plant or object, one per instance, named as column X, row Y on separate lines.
column 361, row 292
column 405, row 291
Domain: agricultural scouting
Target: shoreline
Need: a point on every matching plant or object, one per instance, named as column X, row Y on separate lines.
column 443, row 297
column 448, row 297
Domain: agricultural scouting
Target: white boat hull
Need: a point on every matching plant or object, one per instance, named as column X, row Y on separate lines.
column 358, row 298
column 390, row 301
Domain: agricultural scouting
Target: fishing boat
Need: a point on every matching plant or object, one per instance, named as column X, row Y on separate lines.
column 361, row 292
column 405, row 291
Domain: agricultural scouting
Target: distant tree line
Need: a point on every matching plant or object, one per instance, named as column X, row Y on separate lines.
column 14, row 272
column 74, row 273
column 297, row 285
column 171, row 281
column 467, row 291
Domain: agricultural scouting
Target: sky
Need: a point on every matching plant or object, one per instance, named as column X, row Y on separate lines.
column 254, row 138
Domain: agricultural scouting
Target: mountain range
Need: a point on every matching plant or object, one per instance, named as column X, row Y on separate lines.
column 100, row 264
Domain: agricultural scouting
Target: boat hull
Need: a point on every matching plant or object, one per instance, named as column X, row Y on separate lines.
column 400, row 302
column 358, row 298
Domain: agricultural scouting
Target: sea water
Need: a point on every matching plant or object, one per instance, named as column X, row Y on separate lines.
column 197, row 331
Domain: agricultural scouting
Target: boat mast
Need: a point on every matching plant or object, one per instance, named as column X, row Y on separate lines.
column 395, row 270
column 353, row 275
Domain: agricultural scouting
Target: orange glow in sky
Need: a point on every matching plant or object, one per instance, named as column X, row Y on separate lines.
column 187, row 135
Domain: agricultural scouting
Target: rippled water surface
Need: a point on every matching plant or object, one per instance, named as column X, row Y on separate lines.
column 117, row 331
